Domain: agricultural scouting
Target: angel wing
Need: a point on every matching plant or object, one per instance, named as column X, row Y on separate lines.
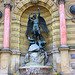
column 29, row 27
column 43, row 25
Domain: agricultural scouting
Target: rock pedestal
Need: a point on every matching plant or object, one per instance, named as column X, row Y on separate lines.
column 36, row 59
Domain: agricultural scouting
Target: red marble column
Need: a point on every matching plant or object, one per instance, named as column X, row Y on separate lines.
column 62, row 24
column 6, row 26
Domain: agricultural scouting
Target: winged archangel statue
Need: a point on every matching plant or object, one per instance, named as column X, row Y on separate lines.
column 37, row 42
column 33, row 26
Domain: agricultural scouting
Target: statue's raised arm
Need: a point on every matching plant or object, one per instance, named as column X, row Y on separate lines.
column 39, row 12
column 29, row 16
column 34, row 23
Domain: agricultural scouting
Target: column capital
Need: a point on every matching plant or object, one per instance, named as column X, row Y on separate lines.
column 8, row 5
column 61, row 1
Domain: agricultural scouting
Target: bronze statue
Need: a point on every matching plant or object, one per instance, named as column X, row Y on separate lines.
column 33, row 27
column 37, row 42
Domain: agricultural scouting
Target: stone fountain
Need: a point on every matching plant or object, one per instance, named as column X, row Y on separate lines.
column 36, row 60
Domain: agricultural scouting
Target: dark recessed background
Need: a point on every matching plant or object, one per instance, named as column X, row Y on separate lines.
column 72, row 9
column 0, row 14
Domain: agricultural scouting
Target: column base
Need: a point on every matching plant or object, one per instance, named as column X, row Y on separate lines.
column 64, row 46
column 6, row 48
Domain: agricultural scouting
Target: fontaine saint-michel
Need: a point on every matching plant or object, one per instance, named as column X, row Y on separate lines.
column 36, row 59
column 25, row 47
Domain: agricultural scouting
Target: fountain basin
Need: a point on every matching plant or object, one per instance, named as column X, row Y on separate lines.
column 42, row 70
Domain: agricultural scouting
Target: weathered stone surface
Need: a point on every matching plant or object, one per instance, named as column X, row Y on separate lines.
column 34, row 1
column 35, row 59
column 65, row 61
column 15, row 61
column 34, row 47
column 5, row 63
column 42, row 70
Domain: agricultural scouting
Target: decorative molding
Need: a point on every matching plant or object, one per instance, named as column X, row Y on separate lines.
column 16, row 52
column 63, row 49
column 72, row 49
column 5, row 51
column 34, row 1
column 64, row 46
column 54, row 50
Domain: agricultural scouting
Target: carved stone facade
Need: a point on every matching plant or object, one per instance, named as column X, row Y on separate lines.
column 19, row 44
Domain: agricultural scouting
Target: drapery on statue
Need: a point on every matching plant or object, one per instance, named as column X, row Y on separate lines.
column 33, row 27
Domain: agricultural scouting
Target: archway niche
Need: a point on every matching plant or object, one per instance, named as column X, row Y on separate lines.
column 24, row 43
column 19, row 23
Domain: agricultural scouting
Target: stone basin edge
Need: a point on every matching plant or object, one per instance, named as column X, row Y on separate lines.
column 48, row 67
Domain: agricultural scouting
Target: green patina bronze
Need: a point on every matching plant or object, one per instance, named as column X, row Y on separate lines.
column 33, row 27
column 36, row 56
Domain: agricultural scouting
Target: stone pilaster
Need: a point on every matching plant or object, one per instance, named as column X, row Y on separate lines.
column 64, row 55
column 65, row 68
column 56, row 61
column 5, row 53
column 15, row 61
column 54, row 57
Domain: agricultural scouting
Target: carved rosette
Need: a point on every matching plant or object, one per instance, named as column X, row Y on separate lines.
column 69, row 15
